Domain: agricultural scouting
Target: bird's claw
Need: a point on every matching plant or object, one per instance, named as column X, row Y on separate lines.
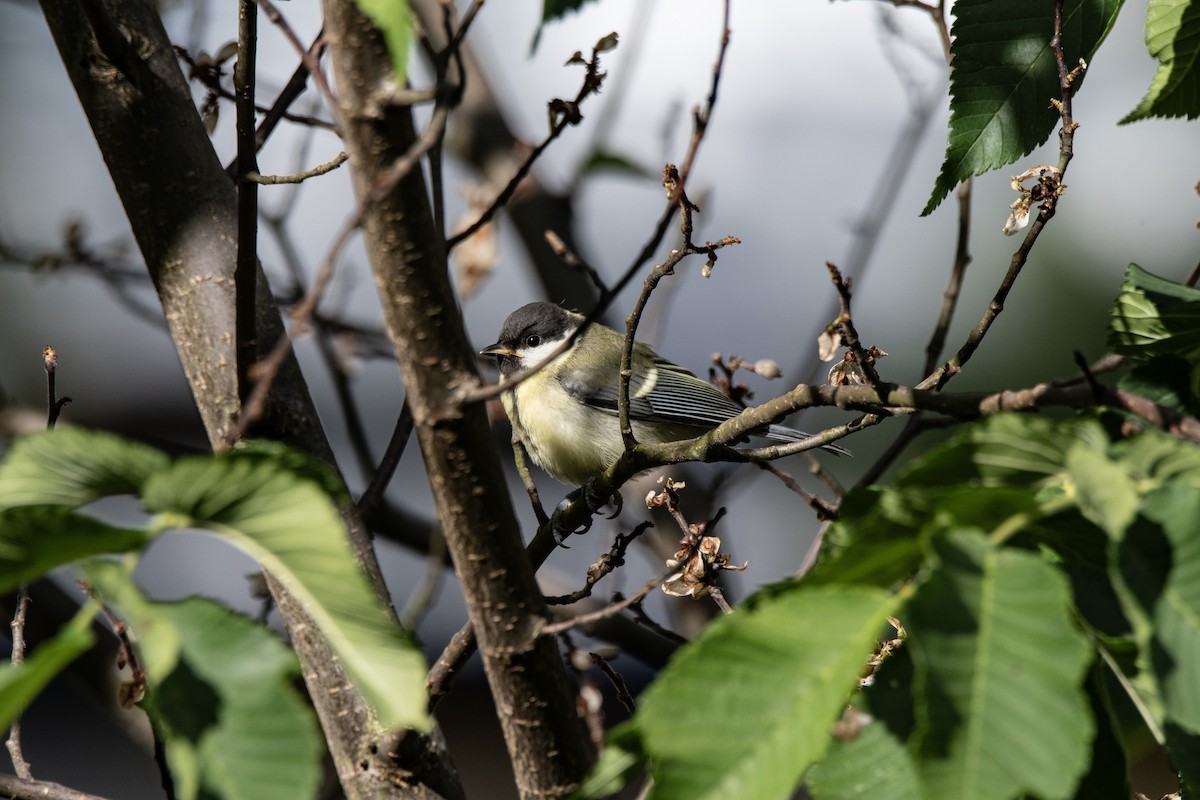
column 593, row 501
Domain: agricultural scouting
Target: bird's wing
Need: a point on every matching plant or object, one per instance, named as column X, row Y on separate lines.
column 663, row 392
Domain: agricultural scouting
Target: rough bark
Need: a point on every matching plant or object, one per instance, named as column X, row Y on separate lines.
column 546, row 740
column 182, row 208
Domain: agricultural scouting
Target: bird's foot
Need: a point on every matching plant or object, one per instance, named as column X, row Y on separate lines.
column 592, row 500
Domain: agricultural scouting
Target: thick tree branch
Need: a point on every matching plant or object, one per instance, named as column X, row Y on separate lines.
column 526, row 674
column 182, row 208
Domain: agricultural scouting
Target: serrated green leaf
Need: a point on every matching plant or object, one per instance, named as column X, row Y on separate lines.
column 1173, row 39
column 1152, row 316
column 1004, row 76
column 1176, row 610
column 392, row 19
column 1168, row 380
column 36, row 539
column 745, row 709
column 1104, row 491
column 286, row 521
column 19, row 685
column 1155, row 459
column 224, row 704
column 72, row 466
column 999, row 666
column 873, row 765
column 1004, row 450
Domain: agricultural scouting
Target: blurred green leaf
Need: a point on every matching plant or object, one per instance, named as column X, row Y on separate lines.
column 999, row 666
column 223, row 702
column 872, row 765
column 19, row 685
column 1153, row 315
column 553, row 10
column 1104, row 491
column 607, row 161
column 284, row 518
column 391, row 17
column 1173, row 38
column 746, row 708
column 1107, row 777
column 72, row 466
column 1003, row 77
column 1167, row 380
column 36, row 539
column 620, row 758
column 1005, row 450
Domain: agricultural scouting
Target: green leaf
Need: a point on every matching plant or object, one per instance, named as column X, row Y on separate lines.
column 608, row 161
column 1108, row 774
column 873, row 765
column 1004, row 76
column 553, row 10
column 71, row 467
column 1104, row 491
column 392, row 19
column 999, row 666
column 36, row 539
column 275, row 510
column 1152, row 316
column 1175, row 511
column 1005, row 450
column 621, row 756
column 1167, row 380
column 19, row 685
column 745, row 709
column 1173, row 38
column 225, row 706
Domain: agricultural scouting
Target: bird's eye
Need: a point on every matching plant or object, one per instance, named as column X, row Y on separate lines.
column 533, row 340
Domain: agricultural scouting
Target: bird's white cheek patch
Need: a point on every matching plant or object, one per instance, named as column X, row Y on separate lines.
column 536, row 356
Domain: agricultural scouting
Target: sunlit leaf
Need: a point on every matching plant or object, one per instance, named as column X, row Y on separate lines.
column 36, row 539
column 870, row 766
column 1003, row 77
column 1173, row 38
column 999, row 666
column 264, row 502
column 224, row 703
column 746, row 708
column 19, row 685
column 392, row 19
column 72, row 466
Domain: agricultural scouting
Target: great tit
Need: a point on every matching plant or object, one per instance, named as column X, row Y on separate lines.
column 566, row 414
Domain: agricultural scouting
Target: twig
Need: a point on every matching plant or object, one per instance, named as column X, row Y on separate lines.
column 642, row 618
column 572, row 260
column 54, row 403
column 382, row 476
column 563, row 114
column 614, row 558
column 522, row 466
column 20, row 765
column 624, row 696
column 269, row 367
column 307, row 57
column 422, row 597
column 24, row 789
column 1052, row 188
column 298, row 177
column 616, row 607
column 245, row 275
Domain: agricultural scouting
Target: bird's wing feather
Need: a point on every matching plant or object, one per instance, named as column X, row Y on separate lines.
column 664, row 392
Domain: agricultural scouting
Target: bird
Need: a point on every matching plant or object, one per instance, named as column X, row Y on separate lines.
column 566, row 415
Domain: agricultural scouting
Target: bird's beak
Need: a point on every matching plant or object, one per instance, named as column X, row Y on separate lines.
column 499, row 349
